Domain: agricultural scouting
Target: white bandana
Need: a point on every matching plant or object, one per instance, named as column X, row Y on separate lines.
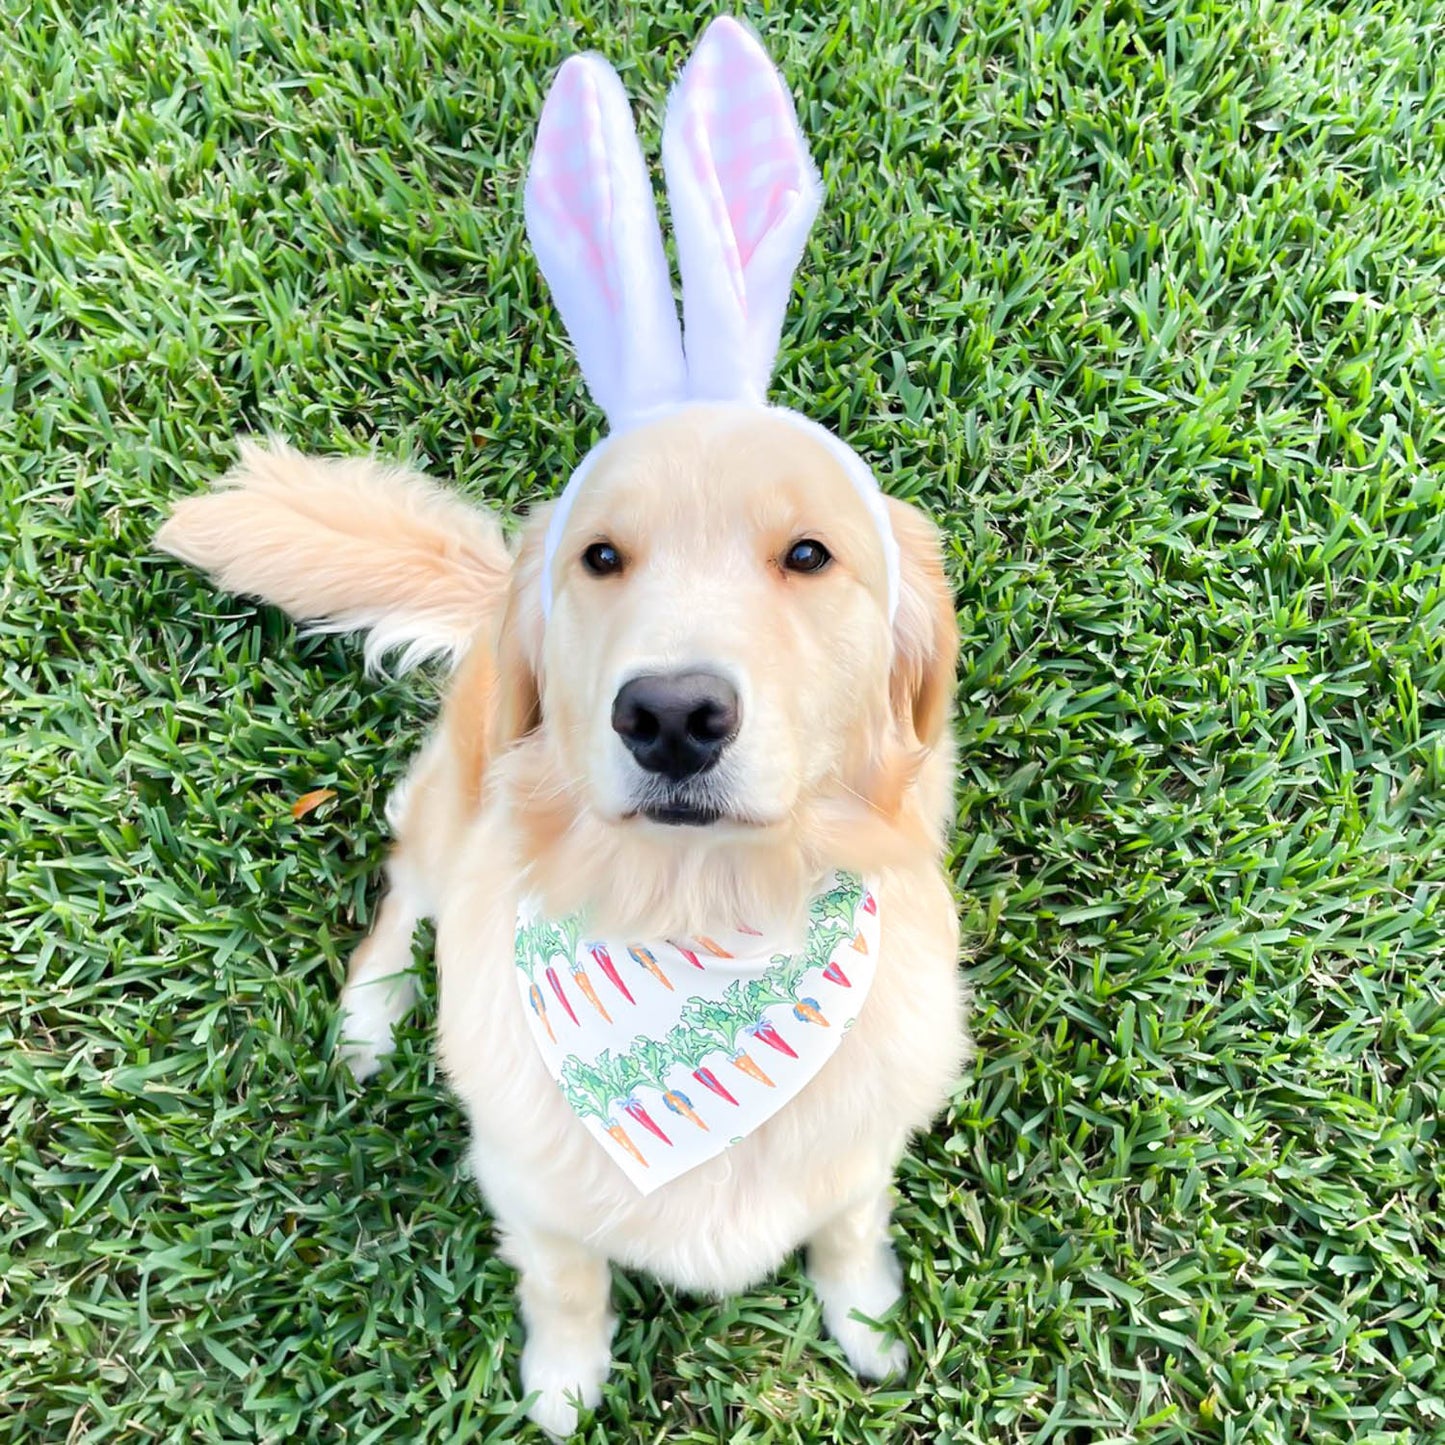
column 671, row 1051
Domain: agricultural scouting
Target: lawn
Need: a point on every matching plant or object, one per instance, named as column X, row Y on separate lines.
column 1144, row 302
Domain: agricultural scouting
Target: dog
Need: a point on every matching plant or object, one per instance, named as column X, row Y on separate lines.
column 719, row 669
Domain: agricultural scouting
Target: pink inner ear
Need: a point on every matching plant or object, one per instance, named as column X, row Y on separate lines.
column 571, row 178
column 744, row 140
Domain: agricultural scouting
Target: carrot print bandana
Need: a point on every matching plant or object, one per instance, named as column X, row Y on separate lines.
column 671, row 1051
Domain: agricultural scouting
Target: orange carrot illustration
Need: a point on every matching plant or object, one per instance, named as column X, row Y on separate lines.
column 743, row 1061
column 807, row 1010
column 580, row 978
column 648, row 960
column 679, row 1103
column 620, row 1134
column 539, row 1007
column 591, row 1091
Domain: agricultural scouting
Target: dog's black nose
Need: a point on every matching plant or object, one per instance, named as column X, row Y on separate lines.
column 677, row 723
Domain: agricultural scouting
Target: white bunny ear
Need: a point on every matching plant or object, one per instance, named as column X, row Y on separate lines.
column 743, row 192
column 593, row 225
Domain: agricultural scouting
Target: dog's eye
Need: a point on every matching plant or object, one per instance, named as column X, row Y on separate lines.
column 806, row 556
column 602, row 559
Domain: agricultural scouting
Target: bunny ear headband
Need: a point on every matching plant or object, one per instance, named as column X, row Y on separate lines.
column 743, row 192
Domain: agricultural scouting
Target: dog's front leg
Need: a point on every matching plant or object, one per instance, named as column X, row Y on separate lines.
column 565, row 1291
column 853, row 1269
column 379, row 989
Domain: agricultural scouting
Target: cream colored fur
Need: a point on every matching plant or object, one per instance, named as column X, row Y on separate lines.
column 843, row 759
column 347, row 546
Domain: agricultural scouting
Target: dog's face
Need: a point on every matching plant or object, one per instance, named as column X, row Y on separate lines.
column 719, row 647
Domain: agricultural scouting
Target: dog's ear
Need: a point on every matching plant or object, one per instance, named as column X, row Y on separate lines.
column 518, row 708
column 925, row 629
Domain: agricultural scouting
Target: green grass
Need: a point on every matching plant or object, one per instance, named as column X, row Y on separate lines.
column 1144, row 302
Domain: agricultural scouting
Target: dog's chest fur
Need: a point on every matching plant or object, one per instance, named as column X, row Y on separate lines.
column 727, row 1223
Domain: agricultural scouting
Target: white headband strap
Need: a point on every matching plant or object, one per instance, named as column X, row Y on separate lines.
column 854, row 468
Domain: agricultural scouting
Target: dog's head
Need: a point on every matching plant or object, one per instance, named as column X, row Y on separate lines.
column 719, row 649
column 724, row 619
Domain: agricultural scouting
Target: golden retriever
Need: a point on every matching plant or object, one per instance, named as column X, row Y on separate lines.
column 712, row 678
column 841, row 758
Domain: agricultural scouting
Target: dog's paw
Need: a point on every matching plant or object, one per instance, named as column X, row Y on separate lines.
column 564, row 1384
column 363, row 1060
column 555, row 1410
column 870, row 1352
column 870, row 1292
column 366, row 1024
column 371, row 1008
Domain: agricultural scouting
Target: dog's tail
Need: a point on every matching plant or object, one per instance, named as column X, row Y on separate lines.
column 348, row 546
